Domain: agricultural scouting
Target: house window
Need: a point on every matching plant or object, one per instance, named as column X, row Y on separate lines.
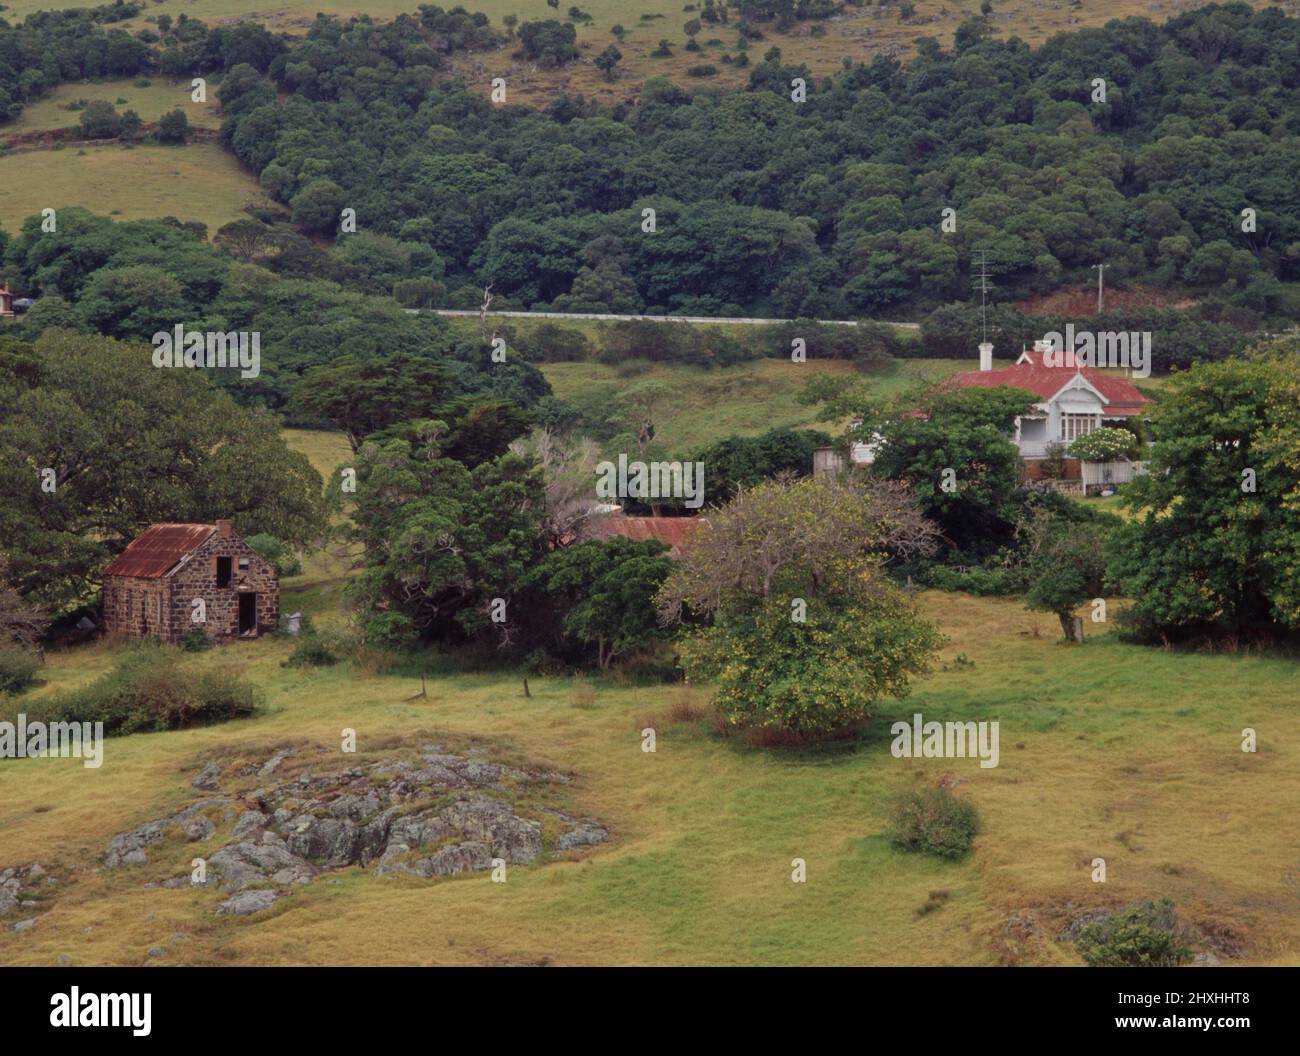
column 1076, row 425
column 223, row 571
column 243, row 564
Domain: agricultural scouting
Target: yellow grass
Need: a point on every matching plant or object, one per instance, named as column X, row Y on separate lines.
column 194, row 182
column 150, row 103
column 860, row 34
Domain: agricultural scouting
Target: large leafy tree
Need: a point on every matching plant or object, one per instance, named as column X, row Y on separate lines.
column 127, row 444
column 605, row 593
column 950, row 447
column 1214, row 547
column 364, row 396
column 441, row 540
column 807, row 631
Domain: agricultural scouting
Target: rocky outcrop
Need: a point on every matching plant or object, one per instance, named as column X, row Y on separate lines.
column 438, row 814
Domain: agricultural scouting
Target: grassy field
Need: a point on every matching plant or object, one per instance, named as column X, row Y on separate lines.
column 860, row 33
column 199, row 181
column 1107, row 750
column 161, row 96
column 704, row 405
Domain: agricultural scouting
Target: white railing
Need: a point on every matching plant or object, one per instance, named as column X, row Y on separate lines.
column 1096, row 473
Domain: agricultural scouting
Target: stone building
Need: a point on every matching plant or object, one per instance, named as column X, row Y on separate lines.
column 177, row 577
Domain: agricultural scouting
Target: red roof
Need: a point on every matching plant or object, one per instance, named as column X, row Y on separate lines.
column 673, row 532
column 155, row 552
column 1122, row 396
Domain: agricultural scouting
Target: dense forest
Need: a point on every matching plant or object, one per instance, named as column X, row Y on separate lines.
column 829, row 207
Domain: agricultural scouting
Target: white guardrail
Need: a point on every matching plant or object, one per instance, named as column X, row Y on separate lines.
column 646, row 318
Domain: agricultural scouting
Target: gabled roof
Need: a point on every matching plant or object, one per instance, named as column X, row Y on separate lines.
column 673, row 532
column 156, row 551
column 1120, row 395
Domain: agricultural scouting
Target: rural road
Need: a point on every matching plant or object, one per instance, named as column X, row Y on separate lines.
column 648, row 318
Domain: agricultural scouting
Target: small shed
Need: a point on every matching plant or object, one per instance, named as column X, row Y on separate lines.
column 175, row 578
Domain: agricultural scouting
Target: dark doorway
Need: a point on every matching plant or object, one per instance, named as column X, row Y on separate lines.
column 248, row 615
column 223, row 571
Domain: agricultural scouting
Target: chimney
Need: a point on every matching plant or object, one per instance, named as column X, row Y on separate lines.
column 224, row 529
column 986, row 355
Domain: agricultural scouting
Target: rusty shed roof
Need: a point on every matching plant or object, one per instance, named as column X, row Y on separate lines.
column 155, row 551
column 675, row 532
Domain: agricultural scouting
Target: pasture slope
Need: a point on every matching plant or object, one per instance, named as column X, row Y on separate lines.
column 1107, row 750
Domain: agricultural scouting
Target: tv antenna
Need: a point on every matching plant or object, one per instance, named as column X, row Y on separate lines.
column 981, row 283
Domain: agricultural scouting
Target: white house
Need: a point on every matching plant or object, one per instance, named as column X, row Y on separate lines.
column 1073, row 400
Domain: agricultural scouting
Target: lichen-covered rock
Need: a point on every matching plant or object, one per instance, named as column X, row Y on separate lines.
column 247, row 902
column 237, row 865
column 424, row 817
column 207, row 777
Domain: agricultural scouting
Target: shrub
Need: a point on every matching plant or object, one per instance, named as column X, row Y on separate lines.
column 810, row 679
column 150, row 689
column 1143, row 935
column 312, row 652
column 1103, row 445
column 195, row 641
column 100, row 120
column 17, row 669
column 173, row 127
column 705, row 70
column 933, row 821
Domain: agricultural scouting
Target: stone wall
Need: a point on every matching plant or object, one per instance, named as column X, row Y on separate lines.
column 197, row 578
column 137, row 608
column 162, row 608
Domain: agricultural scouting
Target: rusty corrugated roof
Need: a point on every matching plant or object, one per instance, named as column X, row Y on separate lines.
column 155, row 551
column 673, row 532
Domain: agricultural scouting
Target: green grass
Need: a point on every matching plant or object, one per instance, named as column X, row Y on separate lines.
column 150, row 103
column 704, row 405
column 1108, row 750
column 199, row 181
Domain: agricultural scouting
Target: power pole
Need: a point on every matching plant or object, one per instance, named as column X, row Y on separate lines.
column 1101, row 268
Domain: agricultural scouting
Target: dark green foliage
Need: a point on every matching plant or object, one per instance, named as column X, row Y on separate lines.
column 173, row 127
column 151, row 689
column 1214, row 548
column 100, row 120
column 603, row 594
column 933, row 821
column 1143, row 935
column 743, row 461
column 549, row 42
column 827, row 208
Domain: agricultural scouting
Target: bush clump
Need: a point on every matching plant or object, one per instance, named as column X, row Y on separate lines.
column 933, row 821
column 17, row 669
column 312, row 652
column 151, row 690
column 1143, row 935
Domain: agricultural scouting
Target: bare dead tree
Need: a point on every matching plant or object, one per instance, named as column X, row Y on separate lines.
column 821, row 532
column 482, row 312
